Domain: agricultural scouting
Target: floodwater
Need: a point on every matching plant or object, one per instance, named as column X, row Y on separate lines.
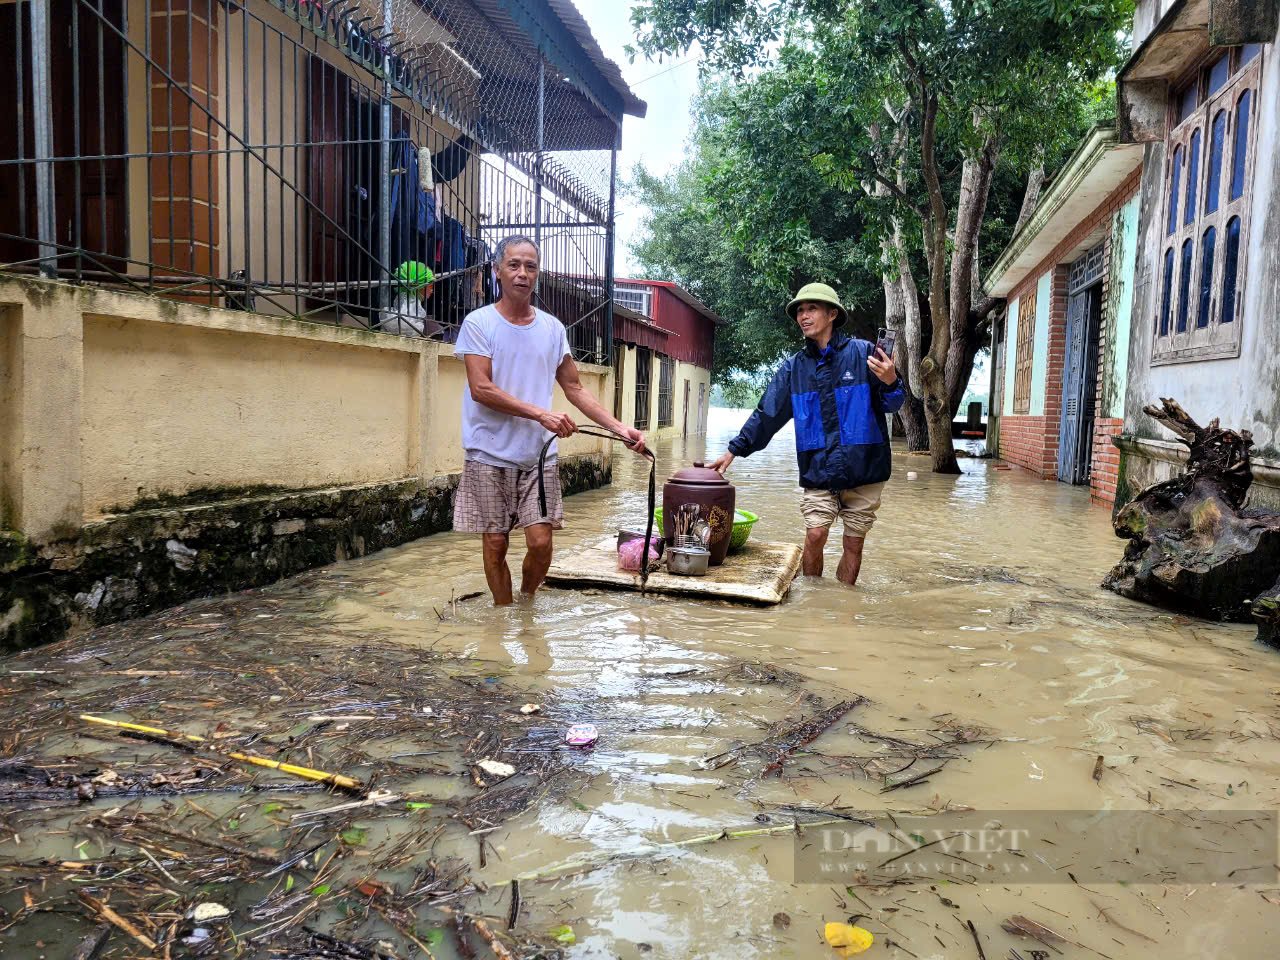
column 978, row 625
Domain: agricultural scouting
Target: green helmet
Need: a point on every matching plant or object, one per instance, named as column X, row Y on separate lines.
column 413, row 275
column 819, row 293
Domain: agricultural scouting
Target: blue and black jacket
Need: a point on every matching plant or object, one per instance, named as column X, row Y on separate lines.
column 839, row 407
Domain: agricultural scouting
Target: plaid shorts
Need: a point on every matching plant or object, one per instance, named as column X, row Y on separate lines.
column 499, row 499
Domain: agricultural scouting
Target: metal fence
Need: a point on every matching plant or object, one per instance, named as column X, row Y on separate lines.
column 303, row 158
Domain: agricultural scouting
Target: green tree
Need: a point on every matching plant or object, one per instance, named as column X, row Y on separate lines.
column 908, row 108
column 706, row 228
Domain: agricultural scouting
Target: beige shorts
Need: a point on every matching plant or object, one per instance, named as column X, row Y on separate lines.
column 500, row 499
column 856, row 507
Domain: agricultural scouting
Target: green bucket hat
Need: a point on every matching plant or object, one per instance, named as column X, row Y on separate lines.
column 819, row 293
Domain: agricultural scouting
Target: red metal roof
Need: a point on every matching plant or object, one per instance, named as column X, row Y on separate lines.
column 634, row 328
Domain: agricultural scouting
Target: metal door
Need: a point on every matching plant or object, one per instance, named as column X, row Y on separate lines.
column 87, row 73
column 1080, row 373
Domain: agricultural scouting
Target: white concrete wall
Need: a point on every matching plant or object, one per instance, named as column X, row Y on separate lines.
column 1124, row 261
column 1040, row 350
column 1011, row 355
column 1040, row 358
column 1147, row 15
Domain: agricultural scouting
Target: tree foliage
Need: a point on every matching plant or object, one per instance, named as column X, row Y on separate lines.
column 742, row 239
column 887, row 128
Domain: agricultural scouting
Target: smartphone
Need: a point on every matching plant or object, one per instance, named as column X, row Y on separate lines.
column 885, row 340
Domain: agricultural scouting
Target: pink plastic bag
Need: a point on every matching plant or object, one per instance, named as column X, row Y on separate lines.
column 631, row 554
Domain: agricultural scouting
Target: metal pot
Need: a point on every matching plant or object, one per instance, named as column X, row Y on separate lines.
column 688, row 561
column 715, row 498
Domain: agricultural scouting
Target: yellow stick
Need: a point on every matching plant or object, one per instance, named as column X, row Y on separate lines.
column 337, row 779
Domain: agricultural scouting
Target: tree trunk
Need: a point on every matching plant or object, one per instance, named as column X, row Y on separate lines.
column 896, row 310
column 902, row 316
column 933, row 368
column 914, row 424
column 971, row 210
column 913, row 322
column 1031, row 199
column 938, row 417
column 1192, row 547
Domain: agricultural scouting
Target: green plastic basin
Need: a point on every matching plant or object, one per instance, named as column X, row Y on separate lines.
column 743, row 521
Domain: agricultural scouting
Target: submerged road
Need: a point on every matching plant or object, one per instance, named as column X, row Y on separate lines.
column 990, row 661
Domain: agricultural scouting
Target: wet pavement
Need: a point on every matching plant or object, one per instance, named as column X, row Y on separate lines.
column 978, row 635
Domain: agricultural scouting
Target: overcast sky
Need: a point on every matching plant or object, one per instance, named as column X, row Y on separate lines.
column 658, row 140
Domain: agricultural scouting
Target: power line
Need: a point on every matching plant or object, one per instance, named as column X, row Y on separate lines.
column 663, row 72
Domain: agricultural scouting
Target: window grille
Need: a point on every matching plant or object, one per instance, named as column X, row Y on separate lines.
column 644, row 366
column 619, row 359
column 666, row 387
column 1026, row 346
column 634, row 297
column 302, row 158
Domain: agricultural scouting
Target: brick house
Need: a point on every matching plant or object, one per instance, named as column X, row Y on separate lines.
column 1061, row 351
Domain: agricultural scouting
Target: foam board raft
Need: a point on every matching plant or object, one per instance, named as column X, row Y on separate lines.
column 760, row 573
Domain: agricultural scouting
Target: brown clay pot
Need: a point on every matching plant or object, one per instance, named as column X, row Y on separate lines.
column 715, row 497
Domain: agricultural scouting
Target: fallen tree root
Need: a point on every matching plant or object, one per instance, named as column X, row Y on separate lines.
column 1193, row 547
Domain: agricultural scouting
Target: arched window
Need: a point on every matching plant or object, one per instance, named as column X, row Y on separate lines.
column 1184, row 285
column 1193, row 178
column 1175, row 183
column 1213, row 182
column 1205, row 310
column 1199, row 293
column 1230, row 271
column 1166, row 302
column 1240, row 150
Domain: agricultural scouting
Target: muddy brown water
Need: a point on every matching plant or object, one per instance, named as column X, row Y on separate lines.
column 978, row 607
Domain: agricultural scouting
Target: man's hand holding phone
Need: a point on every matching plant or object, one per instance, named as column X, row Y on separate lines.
column 881, row 358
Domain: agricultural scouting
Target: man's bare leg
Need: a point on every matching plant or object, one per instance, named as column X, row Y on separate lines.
column 815, row 538
column 495, row 567
column 850, row 560
column 537, row 557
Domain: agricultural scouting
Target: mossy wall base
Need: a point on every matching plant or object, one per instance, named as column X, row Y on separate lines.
column 130, row 564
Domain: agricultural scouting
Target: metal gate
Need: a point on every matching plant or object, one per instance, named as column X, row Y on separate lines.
column 1080, row 375
column 293, row 157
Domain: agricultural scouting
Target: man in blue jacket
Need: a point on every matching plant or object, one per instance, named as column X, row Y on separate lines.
column 838, row 390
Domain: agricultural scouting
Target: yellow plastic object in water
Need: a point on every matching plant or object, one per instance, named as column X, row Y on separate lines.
column 848, row 940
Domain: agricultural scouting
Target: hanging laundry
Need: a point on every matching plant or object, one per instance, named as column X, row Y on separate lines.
column 408, row 197
column 452, row 160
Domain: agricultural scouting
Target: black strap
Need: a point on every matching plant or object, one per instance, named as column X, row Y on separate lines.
column 606, row 434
